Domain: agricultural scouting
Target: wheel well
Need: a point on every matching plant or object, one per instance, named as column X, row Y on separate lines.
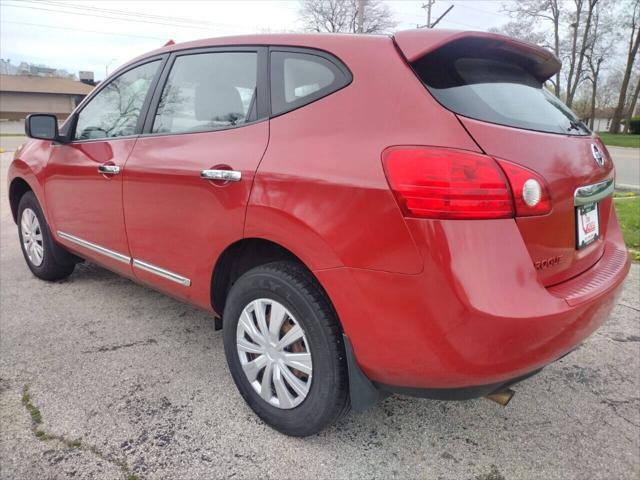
column 239, row 258
column 17, row 189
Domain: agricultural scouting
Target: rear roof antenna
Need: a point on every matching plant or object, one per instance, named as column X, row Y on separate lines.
column 169, row 43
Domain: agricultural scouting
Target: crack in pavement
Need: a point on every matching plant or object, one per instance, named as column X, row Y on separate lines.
column 629, row 306
column 43, row 435
column 150, row 341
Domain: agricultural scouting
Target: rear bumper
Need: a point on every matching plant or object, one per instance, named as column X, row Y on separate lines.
column 477, row 316
column 459, row 393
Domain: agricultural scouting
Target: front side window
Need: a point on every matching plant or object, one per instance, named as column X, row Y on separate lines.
column 301, row 78
column 115, row 110
column 208, row 91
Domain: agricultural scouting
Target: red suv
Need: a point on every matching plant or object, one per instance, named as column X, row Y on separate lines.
column 412, row 213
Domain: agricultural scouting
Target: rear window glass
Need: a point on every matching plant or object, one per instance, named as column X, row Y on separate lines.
column 481, row 85
column 301, row 78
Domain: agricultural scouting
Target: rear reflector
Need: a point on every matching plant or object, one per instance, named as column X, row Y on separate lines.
column 530, row 194
column 447, row 183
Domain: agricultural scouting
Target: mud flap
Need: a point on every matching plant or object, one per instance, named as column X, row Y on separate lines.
column 363, row 393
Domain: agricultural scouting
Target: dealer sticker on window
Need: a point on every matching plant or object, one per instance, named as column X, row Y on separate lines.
column 587, row 224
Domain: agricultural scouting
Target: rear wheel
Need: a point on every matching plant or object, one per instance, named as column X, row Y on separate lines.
column 37, row 244
column 284, row 349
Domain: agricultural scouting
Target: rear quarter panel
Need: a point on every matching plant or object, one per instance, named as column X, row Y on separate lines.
column 320, row 189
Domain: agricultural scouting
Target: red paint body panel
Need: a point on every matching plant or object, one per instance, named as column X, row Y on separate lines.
column 425, row 303
column 86, row 204
column 458, row 323
column 322, row 174
column 566, row 163
column 180, row 222
column 29, row 165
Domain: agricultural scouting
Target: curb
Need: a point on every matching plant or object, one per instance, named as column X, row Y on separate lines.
column 627, row 188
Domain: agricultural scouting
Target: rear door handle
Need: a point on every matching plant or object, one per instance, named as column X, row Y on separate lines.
column 109, row 169
column 221, row 175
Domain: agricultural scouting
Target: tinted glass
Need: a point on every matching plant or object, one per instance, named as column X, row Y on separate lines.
column 115, row 110
column 208, row 91
column 497, row 91
column 300, row 78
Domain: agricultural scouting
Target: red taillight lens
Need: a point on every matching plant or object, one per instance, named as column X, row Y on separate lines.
column 447, row 183
column 528, row 198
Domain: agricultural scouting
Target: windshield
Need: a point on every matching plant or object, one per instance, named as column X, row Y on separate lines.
column 497, row 91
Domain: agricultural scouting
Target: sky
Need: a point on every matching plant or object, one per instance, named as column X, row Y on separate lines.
column 101, row 35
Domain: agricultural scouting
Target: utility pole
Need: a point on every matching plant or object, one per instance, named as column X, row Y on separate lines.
column 427, row 6
column 360, row 26
column 106, row 68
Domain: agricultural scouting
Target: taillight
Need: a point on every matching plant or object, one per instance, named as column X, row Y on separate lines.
column 447, row 183
column 530, row 193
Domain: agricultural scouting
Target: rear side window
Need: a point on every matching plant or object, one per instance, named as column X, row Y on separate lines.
column 495, row 87
column 301, row 78
column 208, row 91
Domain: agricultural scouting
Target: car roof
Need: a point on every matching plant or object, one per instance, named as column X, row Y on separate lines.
column 413, row 43
column 321, row 41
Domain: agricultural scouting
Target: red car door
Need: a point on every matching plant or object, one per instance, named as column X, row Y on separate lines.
column 188, row 179
column 83, row 182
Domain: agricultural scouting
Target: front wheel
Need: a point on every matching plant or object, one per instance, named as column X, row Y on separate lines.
column 37, row 244
column 284, row 349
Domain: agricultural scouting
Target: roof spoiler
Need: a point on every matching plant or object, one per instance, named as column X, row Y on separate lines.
column 415, row 44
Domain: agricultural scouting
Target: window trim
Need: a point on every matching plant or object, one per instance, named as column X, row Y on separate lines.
column 262, row 88
column 315, row 96
column 72, row 120
column 263, row 84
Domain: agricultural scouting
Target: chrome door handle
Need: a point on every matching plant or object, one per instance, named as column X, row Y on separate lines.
column 221, row 175
column 109, row 169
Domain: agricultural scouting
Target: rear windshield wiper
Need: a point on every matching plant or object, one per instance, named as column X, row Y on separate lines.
column 574, row 126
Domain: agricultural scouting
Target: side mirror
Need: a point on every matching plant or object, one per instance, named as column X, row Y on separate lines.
column 42, row 126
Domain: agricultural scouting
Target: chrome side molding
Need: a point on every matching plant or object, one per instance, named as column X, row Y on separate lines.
column 221, row 175
column 147, row 267
column 593, row 193
column 161, row 272
column 96, row 248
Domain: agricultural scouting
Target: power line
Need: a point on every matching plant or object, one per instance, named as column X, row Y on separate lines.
column 504, row 15
column 121, row 18
column 200, row 22
column 81, row 30
column 114, row 14
column 127, row 13
column 111, row 11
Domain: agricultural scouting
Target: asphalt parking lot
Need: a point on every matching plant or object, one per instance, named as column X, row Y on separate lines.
column 126, row 381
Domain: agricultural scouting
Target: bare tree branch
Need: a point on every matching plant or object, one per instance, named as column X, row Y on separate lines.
column 632, row 53
column 342, row 16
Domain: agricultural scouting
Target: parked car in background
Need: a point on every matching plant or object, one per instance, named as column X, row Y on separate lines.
column 363, row 215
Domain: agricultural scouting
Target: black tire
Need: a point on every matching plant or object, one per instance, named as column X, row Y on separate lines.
column 57, row 263
column 295, row 288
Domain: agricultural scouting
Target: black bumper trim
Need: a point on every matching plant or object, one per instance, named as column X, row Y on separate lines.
column 462, row 393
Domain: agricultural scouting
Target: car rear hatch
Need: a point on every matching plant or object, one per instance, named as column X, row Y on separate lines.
column 496, row 87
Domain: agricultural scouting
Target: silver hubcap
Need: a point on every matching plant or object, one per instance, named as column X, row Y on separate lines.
column 32, row 236
column 274, row 353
